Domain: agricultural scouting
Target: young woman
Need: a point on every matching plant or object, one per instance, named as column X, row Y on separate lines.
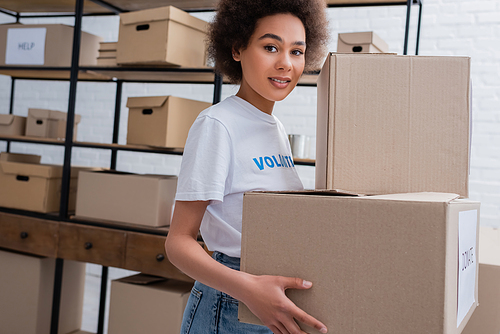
column 264, row 46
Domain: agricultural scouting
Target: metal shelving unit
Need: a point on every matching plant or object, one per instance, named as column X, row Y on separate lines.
column 75, row 73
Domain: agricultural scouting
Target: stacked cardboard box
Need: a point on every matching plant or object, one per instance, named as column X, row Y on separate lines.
column 361, row 42
column 107, row 54
column 404, row 258
column 146, row 304
column 161, row 36
column 48, row 123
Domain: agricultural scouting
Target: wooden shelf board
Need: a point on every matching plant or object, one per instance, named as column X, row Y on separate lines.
column 48, row 74
column 49, row 6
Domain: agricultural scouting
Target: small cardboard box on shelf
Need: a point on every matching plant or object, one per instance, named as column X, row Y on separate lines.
column 161, row 36
column 44, row 45
column 147, row 304
column 107, row 54
column 400, row 263
column 124, row 197
column 393, row 124
column 486, row 318
column 47, row 123
column 12, row 125
column 361, row 42
column 34, row 186
column 26, row 299
column 162, row 121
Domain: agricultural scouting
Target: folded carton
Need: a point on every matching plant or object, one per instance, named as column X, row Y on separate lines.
column 393, row 124
column 161, row 120
column 26, row 295
column 12, row 125
column 147, row 304
column 164, row 36
column 18, row 157
column 124, row 197
column 44, row 44
column 486, row 318
column 361, row 42
column 401, row 263
column 35, row 187
column 48, row 123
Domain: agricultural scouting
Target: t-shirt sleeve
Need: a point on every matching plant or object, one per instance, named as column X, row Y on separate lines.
column 205, row 163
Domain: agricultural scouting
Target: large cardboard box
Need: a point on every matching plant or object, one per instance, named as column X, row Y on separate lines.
column 44, row 45
column 124, row 197
column 164, row 36
column 486, row 318
column 27, row 283
column 12, row 125
column 35, row 187
column 393, row 124
column 161, row 120
column 361, row 42
column 147, row 304
column 49, row 123
column 401, row 263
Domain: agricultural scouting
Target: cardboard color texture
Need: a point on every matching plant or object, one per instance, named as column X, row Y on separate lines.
column 58, row 44
column 48, row 123
column 164, row 36
column 486, row 318
column 161, row 120
column 379, row 264
column 35, row 187
column 361, row 42
column 129, row 198
column 26, row 296
column 12, row 125
column 393, row 124
column 147, row 307
column 18, row 157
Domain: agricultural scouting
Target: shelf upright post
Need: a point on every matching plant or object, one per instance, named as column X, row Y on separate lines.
column 407, row 30
column 102, row 300
column 11, row 104
column 116, row 122
column 217, row 88
column 419, row 25
column 68, row 142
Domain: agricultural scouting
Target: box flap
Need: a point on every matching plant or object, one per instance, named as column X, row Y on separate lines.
column 367, row 37
column 146, row 101
column 46, row 114
column 162, row 14
column 6, row 119
column 419, row 197
column 18, row 157
column 321, row 192
column 29, row 169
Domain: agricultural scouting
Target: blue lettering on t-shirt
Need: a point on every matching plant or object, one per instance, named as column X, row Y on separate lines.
column 274, row 162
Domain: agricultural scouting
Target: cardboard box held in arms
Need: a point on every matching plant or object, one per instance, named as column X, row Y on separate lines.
column 393, row 124
column 44, row 45
column 161, row 36
column 392, row 264
column 157, row 307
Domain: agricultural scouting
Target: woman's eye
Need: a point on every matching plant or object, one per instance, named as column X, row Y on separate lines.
column 297, row 52
column 271, row 48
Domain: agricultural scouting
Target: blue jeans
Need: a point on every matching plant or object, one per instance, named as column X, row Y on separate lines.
column 212, row 311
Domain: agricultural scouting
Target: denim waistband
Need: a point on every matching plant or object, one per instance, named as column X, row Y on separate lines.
column 228, row 261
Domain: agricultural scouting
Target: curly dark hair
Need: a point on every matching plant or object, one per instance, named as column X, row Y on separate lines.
column 235, row 22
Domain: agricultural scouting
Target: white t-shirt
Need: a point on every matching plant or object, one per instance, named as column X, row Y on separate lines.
column 233, row 148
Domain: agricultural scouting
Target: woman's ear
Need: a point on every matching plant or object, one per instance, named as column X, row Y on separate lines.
column 236, row 55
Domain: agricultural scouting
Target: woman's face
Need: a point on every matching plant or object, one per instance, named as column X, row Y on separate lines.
column 273, row 61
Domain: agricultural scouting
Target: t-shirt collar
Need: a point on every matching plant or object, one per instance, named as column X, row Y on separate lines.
column 253, row 110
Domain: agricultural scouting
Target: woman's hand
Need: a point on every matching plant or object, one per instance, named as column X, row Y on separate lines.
column 265, row 297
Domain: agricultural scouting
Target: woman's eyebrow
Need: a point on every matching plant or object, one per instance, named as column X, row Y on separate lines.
column 279, row 39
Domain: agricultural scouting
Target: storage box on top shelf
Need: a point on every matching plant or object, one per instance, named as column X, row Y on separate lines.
column 162, row 121
column 393, row 124
column 33, row 186
column 161, row 36
column 26, row 296
column 12, row 125
column 486, row 318
column 147, row 304
column 400, row 263
column 361, row 42
column 47, row 123
column 44, row 45
column 124, row 197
